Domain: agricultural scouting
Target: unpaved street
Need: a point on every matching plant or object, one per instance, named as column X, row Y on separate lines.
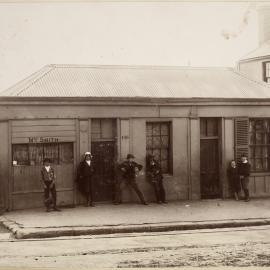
column 222, row 247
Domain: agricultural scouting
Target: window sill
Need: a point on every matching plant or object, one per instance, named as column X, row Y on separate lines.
column 259, row 173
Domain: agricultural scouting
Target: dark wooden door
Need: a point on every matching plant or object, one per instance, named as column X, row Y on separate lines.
column 210, row 185
column 103, row 161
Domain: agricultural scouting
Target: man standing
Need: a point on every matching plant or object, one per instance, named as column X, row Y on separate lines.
column 48, row 178
column 154, row 174
column 244, row 171
column 130, row 170
column 85, row 172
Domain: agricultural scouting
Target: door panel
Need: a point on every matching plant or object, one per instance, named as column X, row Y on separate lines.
column 103, row 161
column 210, row 185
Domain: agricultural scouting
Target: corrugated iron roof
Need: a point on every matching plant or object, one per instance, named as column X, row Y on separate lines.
column 261, row 51
column 137, row 81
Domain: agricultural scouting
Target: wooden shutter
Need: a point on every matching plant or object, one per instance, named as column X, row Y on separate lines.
column 241, row 126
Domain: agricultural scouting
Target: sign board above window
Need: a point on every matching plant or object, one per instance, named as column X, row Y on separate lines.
column 43, row 140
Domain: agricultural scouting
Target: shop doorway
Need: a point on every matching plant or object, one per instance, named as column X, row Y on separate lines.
column 103, row 149
column 209, row 158
column 103, row 153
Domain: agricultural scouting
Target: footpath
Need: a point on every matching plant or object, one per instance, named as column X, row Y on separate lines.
column 128, row 218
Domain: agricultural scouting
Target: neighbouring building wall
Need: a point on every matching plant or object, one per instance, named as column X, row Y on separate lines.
column 253, row 68
column 4, row 165
column 264, row 23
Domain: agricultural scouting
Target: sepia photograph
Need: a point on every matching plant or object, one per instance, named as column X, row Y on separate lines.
column 134, row 134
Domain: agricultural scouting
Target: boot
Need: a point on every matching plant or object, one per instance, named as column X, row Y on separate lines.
column 246, row 195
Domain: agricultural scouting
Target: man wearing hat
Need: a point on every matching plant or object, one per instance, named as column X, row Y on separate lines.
column 48, row 178
column 154, row 175
column 85, row 172
column 130, row 170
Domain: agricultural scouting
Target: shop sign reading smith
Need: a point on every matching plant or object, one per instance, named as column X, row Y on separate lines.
column 42, row 140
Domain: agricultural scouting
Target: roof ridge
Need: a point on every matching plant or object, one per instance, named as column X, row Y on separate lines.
column 37, row 79
column 136, row 66
column 26, row 80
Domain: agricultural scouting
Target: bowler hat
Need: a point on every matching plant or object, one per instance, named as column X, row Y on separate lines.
column 130, row 156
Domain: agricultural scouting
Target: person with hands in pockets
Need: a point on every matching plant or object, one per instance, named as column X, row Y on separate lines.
column 48, row 179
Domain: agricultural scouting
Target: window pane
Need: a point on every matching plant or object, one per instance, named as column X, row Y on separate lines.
column 156, row 153
column 164, row 154
column 156, row 129
column 149, row 142
column 251, row 126
column 252, row 164
column 259, row 138
column 252, row 138
column 259, row 164
column 265, row 164
column 51, row 152
column 259, row 125
column 258, row 152
column 20, row 154
column 156, row 142
column 164, row 141
column 149, row 129
column 164, row 129
column 36, row 154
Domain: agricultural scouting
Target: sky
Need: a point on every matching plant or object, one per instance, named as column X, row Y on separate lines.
column 33, row 35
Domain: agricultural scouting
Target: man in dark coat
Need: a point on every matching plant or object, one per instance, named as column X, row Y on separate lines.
column 84, row 178
column 48, row 179
column 130, row 170
column 234, row 179
column 154, row 174
column 244, row 172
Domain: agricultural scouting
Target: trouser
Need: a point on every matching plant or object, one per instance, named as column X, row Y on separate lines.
column 89, row 191
column 159, row 190
column 132, row 183
column 244, row 183
column 50, row 192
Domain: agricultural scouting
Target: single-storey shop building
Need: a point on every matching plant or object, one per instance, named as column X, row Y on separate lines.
column 194, row 120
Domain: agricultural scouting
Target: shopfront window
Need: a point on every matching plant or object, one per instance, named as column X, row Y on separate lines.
column 259, row 144
column 34, row 154
column 158, row 143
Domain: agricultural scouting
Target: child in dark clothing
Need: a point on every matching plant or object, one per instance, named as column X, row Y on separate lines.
column 244, row 171
column 234, row 179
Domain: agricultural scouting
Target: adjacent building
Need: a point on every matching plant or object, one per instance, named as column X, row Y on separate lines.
column 194, row 120
column 256, row 64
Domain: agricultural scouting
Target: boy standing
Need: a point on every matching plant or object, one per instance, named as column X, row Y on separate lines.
column 244, row 171
column 155, row 176
column 48, row 179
